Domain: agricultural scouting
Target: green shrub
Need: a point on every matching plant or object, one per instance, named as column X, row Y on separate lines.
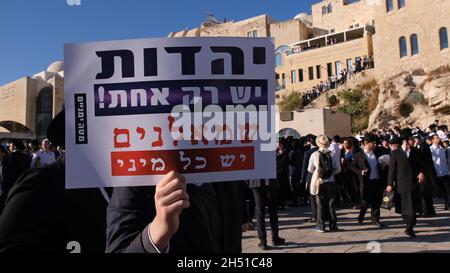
column 291, row 102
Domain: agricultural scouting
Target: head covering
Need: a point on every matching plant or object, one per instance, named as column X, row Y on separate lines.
column 369, row 137
column 322, row 142
column 394, row 139
column 406, row 133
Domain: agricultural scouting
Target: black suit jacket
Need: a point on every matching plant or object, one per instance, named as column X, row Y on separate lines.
column 40, row 216
column 404, row 170
column 212, row 224
column 360, row 163
column 306, row 157
column 9, row 175
column 21, row 161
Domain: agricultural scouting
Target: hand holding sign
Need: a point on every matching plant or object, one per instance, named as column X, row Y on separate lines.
column 171, row 199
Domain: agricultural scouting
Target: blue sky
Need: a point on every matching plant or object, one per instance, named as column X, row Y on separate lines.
column 33, row 32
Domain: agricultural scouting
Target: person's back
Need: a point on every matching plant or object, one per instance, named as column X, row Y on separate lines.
column 21, row 161
column 40, row 216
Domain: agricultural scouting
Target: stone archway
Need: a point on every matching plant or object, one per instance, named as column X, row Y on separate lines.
column 16, row 130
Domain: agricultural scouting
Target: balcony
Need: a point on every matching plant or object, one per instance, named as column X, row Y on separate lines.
column 329, row 40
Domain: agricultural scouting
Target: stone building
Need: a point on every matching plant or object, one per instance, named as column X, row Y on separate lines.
column 28, row 105
column 399, row 34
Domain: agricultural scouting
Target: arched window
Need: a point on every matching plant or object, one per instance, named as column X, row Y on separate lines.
column 443, row 38
column 324, row 10
column 44, row 111
column 401, row 3
column 279, row 55
column 414, row 45
column 329, row 8
column 403, row 47
column 278, row 59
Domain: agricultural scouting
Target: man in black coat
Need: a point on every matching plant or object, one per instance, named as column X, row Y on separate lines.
column 177, row 218
column 8, row 175
column 20, row 159
column 429, row 188
column 406, row 171
column 370, row 176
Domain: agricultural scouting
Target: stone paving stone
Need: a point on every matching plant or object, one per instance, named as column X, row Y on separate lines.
column 433, row 234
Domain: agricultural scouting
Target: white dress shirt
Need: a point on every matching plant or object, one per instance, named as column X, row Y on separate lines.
column 373, row 163
column 439, row 160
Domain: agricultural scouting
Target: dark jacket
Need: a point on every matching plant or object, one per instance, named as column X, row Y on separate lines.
column 360, row 163
column 9, row 176
column 404, row 170
column 212, row 224
column 40, row 216
column 21, row 161
column 306, row 157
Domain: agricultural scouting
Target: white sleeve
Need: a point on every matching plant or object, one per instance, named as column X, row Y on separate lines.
column 311, row 167
column 33, row 161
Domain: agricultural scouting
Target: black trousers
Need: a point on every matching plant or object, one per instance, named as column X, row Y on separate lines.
column 408, row 207
column 266, row 196
column 444, row 186
column 294, row 182
column 371, row 196
column 326, row 206
column 426, row 199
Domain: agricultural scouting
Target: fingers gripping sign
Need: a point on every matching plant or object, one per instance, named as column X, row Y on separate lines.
column 171, row 199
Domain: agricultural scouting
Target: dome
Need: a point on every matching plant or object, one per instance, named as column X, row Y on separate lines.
column 56, row 67
column 304, row 17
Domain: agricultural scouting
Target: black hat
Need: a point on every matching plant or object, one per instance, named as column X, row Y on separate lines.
column 394, row 139
column 406, row 133
column 56, row 130
column 369, row 137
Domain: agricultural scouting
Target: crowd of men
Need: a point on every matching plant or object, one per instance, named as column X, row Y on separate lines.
column 334, row 81
column 318, row 172
column 16, row 157
column 409, row 164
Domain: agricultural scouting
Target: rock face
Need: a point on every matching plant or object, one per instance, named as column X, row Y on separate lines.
column 409, row 100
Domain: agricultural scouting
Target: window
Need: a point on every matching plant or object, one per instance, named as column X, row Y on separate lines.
column 338, row 67
column 44, row 111
column 403, row 47
column 300, row 75
column 443, row 38
column 401, row 3
column 349, row 64
column 279, row 55
column 414, row 44
column 318, row 71
column 389, row 5
column 253, row 33
column 293, row 76
column 279, row 59
column 283, row 80
column 324, row 10
column 329, row 8
column 311, row 73
column 329, row 69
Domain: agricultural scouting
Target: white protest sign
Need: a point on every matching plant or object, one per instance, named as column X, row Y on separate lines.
column 137, row 109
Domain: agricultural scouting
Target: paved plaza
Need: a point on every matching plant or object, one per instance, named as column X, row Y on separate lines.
column 433, row 234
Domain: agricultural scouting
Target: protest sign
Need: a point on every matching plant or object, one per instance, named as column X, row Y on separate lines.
column 137, row 109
